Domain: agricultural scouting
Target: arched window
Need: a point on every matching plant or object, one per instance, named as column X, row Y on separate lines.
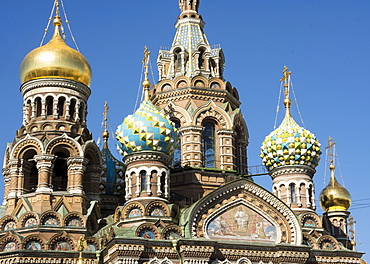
column 61, row 102
column 30, row 172
column 176, row 162
column 292, row 193
column 38, row 106
column 178, row 60
column 72, row 109
column 143, row 180
column 209, row 141
column 201, row 58
column 49, row 105
column 60, row 172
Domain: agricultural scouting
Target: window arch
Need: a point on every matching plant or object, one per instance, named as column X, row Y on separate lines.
column 72, row 109
column 143, row 180
column 61, row 102
column 38, row 106
column 208, row 136
column 292, row 193
column 49, row 105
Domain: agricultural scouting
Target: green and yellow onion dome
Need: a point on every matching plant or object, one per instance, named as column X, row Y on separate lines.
column 146, row 130
column 290, row 144
column 55, row 60
column 334, row 197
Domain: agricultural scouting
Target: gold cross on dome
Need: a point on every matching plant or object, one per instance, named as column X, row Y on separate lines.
column 330, row 147
column 105, row 114
column 285, row 74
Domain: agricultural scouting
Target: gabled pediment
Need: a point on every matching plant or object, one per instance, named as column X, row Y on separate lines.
column 242, row 210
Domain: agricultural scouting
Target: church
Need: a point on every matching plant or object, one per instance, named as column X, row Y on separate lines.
column 182, row 192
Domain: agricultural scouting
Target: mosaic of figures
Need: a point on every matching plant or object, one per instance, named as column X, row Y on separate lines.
column 241, row 223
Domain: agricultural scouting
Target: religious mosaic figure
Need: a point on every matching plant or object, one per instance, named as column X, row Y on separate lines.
column 10, row 225
column 157, row 212
column 50, row 221
column 241, row 218
column 74, row 222
column 134, row 213
column 31, row 222
column 33, row 245
column 10, row 246
column 62, row 246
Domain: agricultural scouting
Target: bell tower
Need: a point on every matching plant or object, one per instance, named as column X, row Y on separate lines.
column 205, row 108
column 52, row 168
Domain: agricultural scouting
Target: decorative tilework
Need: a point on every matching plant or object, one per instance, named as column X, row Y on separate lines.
column 146, row 130
column 290, row 144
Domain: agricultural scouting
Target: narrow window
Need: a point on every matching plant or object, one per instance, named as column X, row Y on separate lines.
column 81, row 112
column 49, row 105
column 72, row 109
column 143, row 180
column 176, row 162
column 292, row 193
column 163, row 182
column 61, row 102
column 60, row 172
column 38, row 106
column 209, row 145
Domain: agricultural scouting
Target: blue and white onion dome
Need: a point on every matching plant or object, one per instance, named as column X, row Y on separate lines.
column 290, row 144
column 146, row 130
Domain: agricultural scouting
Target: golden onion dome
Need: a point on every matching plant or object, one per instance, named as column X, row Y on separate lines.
column 334, row 197
column 55, row 60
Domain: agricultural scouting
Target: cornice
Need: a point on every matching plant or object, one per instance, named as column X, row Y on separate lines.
column 146, row 155
column 292, row 169
column 57, row 83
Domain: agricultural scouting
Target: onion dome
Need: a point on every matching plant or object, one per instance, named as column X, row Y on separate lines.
column 290, row 144
column 147, row 129
column 334, row 197
column 55, row 60
column 113, row 174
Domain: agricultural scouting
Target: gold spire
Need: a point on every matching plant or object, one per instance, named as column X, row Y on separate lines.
column 105, row 122
column 334, row 197
column 287, row 101
column 146, row 83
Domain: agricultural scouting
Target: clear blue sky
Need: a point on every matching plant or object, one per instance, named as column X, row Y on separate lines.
column 326, row 44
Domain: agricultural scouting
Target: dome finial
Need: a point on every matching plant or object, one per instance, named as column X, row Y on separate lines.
column 57, row 22
column 105, row 122
column 146, row 83
column 286, row 81
column 334, row 197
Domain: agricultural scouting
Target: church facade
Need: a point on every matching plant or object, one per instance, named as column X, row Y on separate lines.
column 182, row 193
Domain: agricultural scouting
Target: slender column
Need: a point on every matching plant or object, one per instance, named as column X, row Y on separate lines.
column 33, row 110
column 77, row 111
column 45, row 164
column 43, row 109
column 55, row 108
column 76, row 169
column 298, row 195
column 191, row 151
column 13, row 177
column 226, row 149
column 6, row 173
column 167, row 185
column 67, row 115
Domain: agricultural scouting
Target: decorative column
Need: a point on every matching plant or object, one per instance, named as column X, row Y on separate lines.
column 6, row 174
column 45, row 164
column 191, row 151
column 226, row 148
column 76, row 169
